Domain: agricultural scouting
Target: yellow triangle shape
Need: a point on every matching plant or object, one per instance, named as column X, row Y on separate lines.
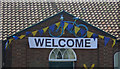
column 45, row 29
column 76, row 29
column 100, row 36
column 89, row 34
column 57, row 24
column 22, row 36
column 66, row 24
column 34, row 32
column 10, row 40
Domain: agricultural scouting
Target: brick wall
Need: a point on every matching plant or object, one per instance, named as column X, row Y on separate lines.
column 23, row 56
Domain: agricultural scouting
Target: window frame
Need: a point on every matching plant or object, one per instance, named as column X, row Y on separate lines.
column 117, row 64
column 75, row 59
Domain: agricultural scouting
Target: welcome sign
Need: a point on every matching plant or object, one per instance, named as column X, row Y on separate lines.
column 50, row 42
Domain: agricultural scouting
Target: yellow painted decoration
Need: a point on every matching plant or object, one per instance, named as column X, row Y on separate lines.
column 92, row 66
column 89, row 34
column 100, row 36
column 34, row 32
column 57, row 24
column 22, row 36
column 10, row 40
column 113, row 42
column 85, row 66
column 66, row 24
column 45, row 29
column 76, row 29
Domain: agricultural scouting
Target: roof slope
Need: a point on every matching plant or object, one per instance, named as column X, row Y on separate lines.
column 17, row 16
column 56, row 18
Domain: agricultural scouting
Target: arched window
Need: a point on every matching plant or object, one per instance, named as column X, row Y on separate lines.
column 117, row 60
column 61, row 54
